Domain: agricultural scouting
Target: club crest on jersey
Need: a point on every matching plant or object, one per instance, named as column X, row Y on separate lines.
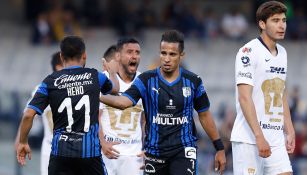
column 186, row 91
column 246, row 50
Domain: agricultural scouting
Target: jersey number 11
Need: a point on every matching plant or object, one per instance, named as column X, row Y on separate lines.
column 67, row 104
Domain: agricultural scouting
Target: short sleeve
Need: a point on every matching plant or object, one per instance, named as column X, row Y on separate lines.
column 201, row 100
column 40, row 99
column 105, row 83
column 136, row 91
column 245, row 67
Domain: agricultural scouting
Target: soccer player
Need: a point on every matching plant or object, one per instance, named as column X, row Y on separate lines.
column 258, row 142
column 169, row 94
column 122, row 129
column 57, row 65
column 73, row 95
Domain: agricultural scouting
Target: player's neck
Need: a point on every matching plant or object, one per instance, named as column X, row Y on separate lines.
column 269, row 42
column 170, row 76
column 127, row 78
column 71, row 63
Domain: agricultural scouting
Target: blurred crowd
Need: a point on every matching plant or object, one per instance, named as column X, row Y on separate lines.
column 53, row 19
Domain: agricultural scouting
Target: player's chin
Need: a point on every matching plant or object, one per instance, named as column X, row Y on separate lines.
column 280, row 36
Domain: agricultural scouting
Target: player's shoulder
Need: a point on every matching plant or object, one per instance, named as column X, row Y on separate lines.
column 147, row 74
column 190, row 75
column 281, row 49
column 249, row 48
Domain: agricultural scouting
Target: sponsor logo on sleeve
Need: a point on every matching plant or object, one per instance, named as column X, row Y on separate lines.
column 246, row 50
column 246, row 61
column 245, row 75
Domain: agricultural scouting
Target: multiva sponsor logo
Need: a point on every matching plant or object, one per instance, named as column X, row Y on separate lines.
column 69, row 78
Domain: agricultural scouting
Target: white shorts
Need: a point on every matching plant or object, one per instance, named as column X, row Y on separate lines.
column 123, row 165
column 246, row 160
column 45, row 155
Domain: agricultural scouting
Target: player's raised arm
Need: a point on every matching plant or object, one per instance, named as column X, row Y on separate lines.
column 112, row 68
column 119, row 102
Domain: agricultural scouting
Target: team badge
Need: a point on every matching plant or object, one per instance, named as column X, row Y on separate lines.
column 186, row 91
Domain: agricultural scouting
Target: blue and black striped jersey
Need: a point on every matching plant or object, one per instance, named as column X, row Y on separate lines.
column 169, row 109
column 73, row 95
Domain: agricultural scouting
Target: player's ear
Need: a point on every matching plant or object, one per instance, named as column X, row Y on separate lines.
column 84, row 56
column 117, row 56
column 182, row 55
column 261, row 24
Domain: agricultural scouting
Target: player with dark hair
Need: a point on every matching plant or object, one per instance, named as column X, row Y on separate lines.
column 122, row 129
column 73, row 96
column 169, row 95
column 259, row 144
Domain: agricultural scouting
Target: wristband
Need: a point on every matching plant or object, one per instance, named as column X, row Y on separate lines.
column 218, row 145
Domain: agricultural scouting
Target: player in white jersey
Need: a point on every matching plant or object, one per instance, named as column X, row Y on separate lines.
column 263, row 133
column 122, row 129
column 56, row 65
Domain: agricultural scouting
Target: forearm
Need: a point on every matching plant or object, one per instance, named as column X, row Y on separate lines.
column 249, row 112
column 119, row 102
column 25, row 126
column 208, row 124
column 289, row 129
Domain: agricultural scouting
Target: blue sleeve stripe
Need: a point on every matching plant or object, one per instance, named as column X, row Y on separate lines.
column 203, row 110
column 139, row 84
column 101, row 79
column 200, row 90
column 35, row 109
column 130, row 98
column 43, row 89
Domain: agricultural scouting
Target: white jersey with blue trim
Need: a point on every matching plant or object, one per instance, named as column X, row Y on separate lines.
column 256, row 66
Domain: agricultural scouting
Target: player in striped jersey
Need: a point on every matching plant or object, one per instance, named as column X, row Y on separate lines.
column 73, row 96
column 169, row 95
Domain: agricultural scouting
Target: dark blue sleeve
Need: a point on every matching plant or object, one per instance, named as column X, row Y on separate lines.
column 105, row 83
column 136, row 91
column 201, row 100
column 40, row 100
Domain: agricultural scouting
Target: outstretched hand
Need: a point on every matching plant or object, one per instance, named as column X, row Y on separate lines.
column 23, row 150
column 111, row 66
column 109, row 151
column 220, row 161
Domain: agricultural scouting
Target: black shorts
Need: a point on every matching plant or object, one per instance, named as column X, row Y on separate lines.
column 76, row 166
column 183, row 163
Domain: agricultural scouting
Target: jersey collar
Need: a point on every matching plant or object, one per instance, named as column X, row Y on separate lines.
column 72, row 67
column 262, row 42
column 166, row 82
